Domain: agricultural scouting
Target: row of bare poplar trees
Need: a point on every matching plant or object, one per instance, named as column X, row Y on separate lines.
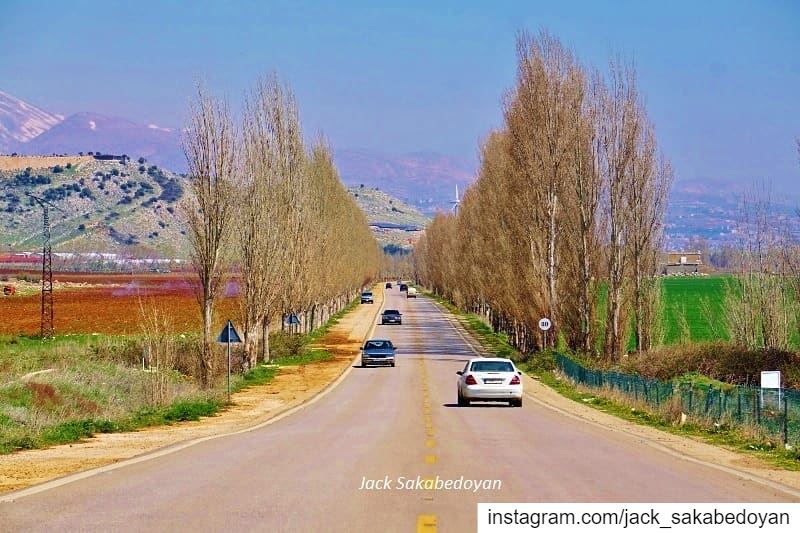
column 273, row 215
column 568, row 206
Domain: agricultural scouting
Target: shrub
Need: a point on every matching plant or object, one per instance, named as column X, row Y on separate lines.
column 284, row 344
column 719, row 360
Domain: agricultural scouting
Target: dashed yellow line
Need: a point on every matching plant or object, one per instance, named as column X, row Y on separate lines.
column 426, row 523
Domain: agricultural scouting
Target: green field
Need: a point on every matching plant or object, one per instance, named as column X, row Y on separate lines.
column 692, row 310
column 684, row 305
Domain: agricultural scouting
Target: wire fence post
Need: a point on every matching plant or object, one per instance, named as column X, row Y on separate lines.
column 739, row 404
column 758, row 408
column 785, row 420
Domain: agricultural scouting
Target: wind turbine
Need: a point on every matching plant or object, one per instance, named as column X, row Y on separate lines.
column 457, row 202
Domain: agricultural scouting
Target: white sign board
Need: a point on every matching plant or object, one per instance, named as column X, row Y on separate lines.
column 771, row 379
column 544, row 324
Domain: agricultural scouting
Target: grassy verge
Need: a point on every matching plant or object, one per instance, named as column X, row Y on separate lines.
column 88, row 384
column 542, row 367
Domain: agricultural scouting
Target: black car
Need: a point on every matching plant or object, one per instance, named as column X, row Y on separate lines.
column 391, row 316
column 388, row 284
column 403, row 287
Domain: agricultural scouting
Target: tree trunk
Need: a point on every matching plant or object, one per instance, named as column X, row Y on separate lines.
column 207, row 363
column 265, row 355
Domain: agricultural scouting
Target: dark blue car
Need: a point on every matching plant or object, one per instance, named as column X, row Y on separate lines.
column 377, row 352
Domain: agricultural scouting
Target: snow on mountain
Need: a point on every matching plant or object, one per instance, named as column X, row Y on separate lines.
column 20, row 121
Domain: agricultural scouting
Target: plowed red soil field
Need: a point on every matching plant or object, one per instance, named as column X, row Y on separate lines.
column 112, row 304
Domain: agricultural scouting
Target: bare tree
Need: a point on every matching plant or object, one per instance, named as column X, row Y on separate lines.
column 210, row 146
column 619, row 131
column 548, row 94
column 273, row 158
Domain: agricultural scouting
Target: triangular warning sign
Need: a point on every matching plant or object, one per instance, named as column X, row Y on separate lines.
column 229, row 334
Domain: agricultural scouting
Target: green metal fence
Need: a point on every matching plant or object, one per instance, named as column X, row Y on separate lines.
column 775, row 412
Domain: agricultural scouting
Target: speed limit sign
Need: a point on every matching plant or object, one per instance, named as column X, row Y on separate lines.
column 544, row 324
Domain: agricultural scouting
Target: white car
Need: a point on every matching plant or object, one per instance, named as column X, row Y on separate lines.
column 490, row 379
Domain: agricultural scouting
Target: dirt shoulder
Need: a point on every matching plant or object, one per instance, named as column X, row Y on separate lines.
column 690, row 449
column 292, row 387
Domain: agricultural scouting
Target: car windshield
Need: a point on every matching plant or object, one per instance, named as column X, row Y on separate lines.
column 380, row 345
column 365, row 294
column 492, row 366
column 391, row 312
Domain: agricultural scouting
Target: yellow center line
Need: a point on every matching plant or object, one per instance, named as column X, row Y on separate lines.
column 426, row 523
column 430, row 459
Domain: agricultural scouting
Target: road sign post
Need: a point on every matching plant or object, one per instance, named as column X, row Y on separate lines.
column 544, row 325
column 229, row 335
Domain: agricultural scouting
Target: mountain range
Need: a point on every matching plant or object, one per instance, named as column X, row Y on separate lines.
column 425, row 180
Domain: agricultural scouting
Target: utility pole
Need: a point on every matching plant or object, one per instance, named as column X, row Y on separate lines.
column 47, row 328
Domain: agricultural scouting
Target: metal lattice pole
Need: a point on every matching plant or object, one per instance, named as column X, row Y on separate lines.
column 47, row 327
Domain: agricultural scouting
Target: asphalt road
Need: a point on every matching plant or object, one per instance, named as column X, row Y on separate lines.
column 304, row 472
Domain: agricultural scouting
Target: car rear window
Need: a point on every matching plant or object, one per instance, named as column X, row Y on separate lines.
column 391, row 312
column 492, row 366
column 365, row 294
column 378, row 344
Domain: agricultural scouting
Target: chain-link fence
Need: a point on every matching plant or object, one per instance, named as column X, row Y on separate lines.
column 776, row 412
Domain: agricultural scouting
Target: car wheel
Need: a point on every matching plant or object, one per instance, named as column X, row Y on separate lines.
column 392, row 365
column 363, row 364
column 515, row 403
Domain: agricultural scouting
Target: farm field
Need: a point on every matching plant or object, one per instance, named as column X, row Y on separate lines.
column 686, row 300
column 692, row 310
column 111, row 304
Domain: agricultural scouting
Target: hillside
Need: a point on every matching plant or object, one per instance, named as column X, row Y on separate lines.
column 394, row 223
column 131, row 207
column 383, row 209
column 104, row 206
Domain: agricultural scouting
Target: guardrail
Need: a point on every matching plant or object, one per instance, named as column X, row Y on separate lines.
column 775, row 412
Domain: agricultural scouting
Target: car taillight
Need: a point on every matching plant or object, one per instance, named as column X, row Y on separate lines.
column 470, row 380
column 515, row 380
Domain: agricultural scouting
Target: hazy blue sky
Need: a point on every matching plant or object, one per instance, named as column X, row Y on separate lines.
column 722, row 79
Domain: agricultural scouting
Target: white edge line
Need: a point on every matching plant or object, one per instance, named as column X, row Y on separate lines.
column 172, row 448
column 644, row 439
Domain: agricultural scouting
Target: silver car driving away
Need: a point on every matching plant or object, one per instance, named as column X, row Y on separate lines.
column 490, row 379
